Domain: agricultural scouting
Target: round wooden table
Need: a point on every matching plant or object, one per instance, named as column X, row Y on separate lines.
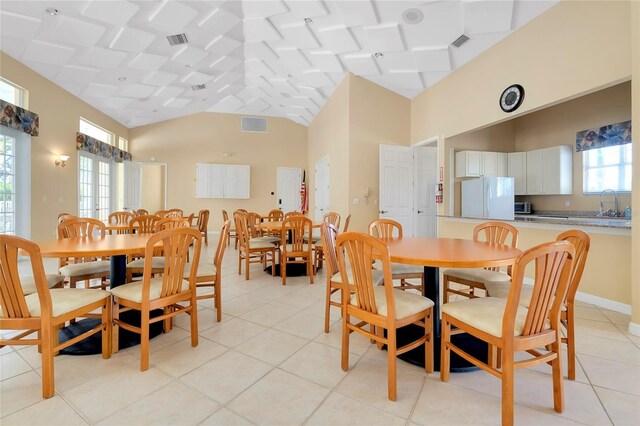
column 434, row 253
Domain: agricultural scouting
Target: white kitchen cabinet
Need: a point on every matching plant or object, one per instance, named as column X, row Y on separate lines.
column 517, row 169
column 222, row 181
column 503, row 164
column 489, row 164
column 480, row 163
column 550, row 171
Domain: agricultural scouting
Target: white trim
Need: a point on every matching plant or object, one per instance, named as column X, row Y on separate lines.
column 433, row 141
column 634, row 329
column 604, row 303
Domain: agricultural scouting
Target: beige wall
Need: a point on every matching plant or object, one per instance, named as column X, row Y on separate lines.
column 635, row 225
column 376, row 116
column 153, row 187
column 53, row 189
column 329, row 136
column 201, row 138
column 558, row 125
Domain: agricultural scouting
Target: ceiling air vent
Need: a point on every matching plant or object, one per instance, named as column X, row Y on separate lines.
column 197, row 87
column 177, row 39
column 253, row 124
column 460, row 41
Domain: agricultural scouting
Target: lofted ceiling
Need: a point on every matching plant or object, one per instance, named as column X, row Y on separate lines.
column 267, row 57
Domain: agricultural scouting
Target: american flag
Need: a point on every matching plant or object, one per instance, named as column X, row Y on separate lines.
column 304, row 204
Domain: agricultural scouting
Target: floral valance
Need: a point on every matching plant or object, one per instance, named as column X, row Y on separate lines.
column 94, row 146
column 19, row 118
column 609, row 135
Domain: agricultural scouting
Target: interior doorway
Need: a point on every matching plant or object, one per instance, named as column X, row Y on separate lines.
column 289, row 180
column 153, row 177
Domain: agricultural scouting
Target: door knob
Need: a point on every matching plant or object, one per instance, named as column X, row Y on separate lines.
column 384, row 211
column 420, row 211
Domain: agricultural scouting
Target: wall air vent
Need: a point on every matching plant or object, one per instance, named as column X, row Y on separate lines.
column 460, row 41
column 178, row 39
column 255, row 124
column 197, row 87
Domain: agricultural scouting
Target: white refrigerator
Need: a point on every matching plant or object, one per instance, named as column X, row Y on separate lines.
column 488, row 198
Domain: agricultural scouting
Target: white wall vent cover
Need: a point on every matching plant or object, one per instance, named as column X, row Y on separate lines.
column 254, row 124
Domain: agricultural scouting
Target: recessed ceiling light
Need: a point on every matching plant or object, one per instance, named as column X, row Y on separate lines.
column 122, row 78
column 378, row 55
column 52, row 11
column 308, row 21
column 412, row 16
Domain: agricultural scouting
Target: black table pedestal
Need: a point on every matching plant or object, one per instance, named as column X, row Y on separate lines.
column 93, row 344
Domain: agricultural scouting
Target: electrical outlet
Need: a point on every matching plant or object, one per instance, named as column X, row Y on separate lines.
column 567, row 203
column 356, row 201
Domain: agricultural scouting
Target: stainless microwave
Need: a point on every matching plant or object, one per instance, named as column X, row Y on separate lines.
column 522, row 207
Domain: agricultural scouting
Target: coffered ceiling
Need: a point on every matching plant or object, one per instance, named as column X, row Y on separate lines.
column 268, row 57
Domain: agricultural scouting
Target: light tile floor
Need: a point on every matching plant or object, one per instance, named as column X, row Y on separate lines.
column 269, row 362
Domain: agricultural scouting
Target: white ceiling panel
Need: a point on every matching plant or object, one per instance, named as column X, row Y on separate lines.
column 48, row 53
column 160, row 78
column 102, row 58
column 132, row 40
column 253, row 55
column 172, row 15
column 97, row 90
column 147, row 61
column 116, row 13
column 338, row 40
column 487, row 16
column 77, row 74
column 75, row 31
column 19, row 26
column 383, row 38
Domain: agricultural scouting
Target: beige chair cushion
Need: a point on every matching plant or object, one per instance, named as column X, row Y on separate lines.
column 257, row 244
column 377, row 277
column 64, row 300
column 29, row 283
column 264, row 239
column 501, row 290
column 485, row 313
column 478, row 275
column 407, row 304
column 156, row 263
column 305, row 248
column 85, row 268
column 204, row 270
column 133, row 291
column 400, row 268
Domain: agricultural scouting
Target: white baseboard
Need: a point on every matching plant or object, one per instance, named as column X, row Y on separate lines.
column 634, row 329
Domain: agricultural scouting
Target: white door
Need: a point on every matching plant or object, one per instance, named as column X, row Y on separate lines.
column 425, row 181
column 322, row 187
column 132, row 186
column 95, row 182
column 396, row 185
column 288, row 190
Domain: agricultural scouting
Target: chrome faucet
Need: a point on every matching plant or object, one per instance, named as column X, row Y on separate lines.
column 615, row 212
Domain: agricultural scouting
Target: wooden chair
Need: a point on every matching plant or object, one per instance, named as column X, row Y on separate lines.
column 581, row 243
column 387, row 228
column 382, row 307
column 232, row 230
column 255, row 234
column 143, row 225
column 87, row 268
column 203, row 224
column 174, row 213
column 170, row 292
column 170, row 223
column 120, row 218
column 45, row 311
column 511, row 328
column 334, row 219
column 190, row 218
column 141, row 212
column 210, row 275
column 275, row 215
column 346, row 223
column 495, row 233
column 252, row 251
column 290, row 214
column 299, row 249
column 161, row 213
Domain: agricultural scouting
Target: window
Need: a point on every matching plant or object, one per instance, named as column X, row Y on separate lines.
column 13, row 93
column 88, row 128
column 123, row 144
column 7, row 185
column 607, row 168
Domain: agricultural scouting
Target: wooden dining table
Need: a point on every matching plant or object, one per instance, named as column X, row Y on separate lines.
column 116, row 247
column 435, row 253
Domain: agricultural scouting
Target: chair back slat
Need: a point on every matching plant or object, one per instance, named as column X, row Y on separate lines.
column 241, row 229
column 300, row 229
column 357, row 251
column 332, row 218
column 120, row 218
column 275, row 215
column 496, row 232
column 385, row 228
column 225, row 216
column 173, row 213
column 290, row 214
column 203, row 220
column 141, row 212
column 219, row 253
column 170, row 223
column 81, row 227
column 346, row 223
column 143, row 224
column 253, row 220
column 581, row 242
column 329, row 233
column 552, row 267
column 12, row 297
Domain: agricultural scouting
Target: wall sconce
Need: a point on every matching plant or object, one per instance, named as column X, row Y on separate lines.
column 62, row 160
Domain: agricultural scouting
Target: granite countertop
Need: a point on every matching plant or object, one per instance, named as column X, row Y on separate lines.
column 567, row 218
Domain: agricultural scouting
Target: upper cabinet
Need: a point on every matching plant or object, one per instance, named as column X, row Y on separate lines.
column 517, row 169
column 550, row 171
column 480, row 163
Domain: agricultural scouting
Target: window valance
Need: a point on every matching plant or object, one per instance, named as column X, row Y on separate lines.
column 601, row 137
column 94, row 146
column 19, row 118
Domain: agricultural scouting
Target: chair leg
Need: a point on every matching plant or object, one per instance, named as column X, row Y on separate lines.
column 283, row 270
column 246, row 265
column 48, row 382
column 310, row 270
column 571, row 345
column 107, row 333
column 327, row 307
column 345, row 343
column 273, row 263
column 445, row 289
column 445, row 352
column 391, row 367
column 556, row 368
column 193, row 314
column 217, row 299
column 144, row 340
column 428, row 347
column 508, row 370
column 115, row 331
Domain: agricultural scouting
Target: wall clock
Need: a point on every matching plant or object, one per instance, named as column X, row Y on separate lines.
column 512, row 98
